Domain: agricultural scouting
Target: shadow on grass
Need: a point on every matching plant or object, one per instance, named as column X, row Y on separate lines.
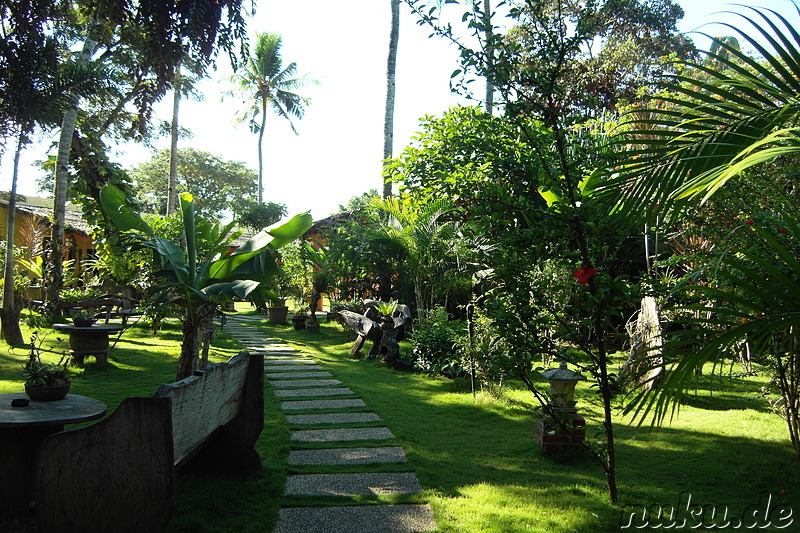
column 478, row 461
column 479, row 456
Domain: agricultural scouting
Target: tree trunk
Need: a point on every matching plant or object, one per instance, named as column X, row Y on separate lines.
column 10, row 315
column 391, row 69
column 196, row 320
column 54, row 269
column 261, row 150
column 208, row 333
column 610, row 466
column 172, row 193
column 609, row 459
column 488, row 40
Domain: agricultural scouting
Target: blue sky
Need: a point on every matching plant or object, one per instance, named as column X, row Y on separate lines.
column 337, row 153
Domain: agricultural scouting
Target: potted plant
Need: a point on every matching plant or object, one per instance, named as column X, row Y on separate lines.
column 385, row 309
column 299, row 319
column 278, row 311
column 276, row 293
column 312, row 324
column 83, row 318
column 45, row 381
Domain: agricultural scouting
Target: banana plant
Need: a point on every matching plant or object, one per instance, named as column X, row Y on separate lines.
column 199, row 284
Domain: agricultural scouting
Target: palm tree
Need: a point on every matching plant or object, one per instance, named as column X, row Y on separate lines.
column 431, row 247
column 726, row 116
column 172, row 188
column 266, row 83
column 52, row 87
column 68, row 125
column 391, row 85
column 183, row 84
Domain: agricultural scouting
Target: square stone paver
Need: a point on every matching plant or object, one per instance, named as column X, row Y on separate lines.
column 348, row 456
column 352, row 484
column 324, row 391
column 295, row 375
column 292, row 367
column 321, row 404
column 408, row 518
column 333, row 418
column 262, row 347
column 341, row 434
column 305, row 382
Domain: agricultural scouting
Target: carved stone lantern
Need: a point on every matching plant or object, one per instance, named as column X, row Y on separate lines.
column 560, row 427
column 562, row 386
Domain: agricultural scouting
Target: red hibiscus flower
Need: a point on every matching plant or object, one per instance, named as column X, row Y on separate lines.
column 584, row 273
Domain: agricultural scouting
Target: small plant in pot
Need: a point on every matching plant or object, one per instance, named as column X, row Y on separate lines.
column 385, row 309
column 312, row 324
column 83, row 318
column 45, row 381
column 299, row 319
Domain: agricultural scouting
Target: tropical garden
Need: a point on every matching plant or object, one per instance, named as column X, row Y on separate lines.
column 617, row 200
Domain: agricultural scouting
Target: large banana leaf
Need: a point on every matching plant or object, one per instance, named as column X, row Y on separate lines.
column 290, row 231
column 229, row 289
column 189, row 235
column 259, row 266
column 233, row 266
column 113, row 201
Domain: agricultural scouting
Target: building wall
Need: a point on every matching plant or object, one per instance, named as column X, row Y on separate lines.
column 77, row 244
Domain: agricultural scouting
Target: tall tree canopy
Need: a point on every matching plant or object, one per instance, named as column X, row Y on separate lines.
column 26, row 57
column 217, row 185
column 564, row 64
column 143, row 42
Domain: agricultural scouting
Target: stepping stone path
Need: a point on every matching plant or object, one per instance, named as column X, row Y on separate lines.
column 302, row 384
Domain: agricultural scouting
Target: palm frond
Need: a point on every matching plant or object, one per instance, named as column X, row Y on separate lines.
column 757, row 301
column 714, row 124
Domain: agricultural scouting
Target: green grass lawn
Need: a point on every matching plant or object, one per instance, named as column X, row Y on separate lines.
column 476, row 456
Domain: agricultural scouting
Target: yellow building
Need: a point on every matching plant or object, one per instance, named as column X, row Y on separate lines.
column 33, row 223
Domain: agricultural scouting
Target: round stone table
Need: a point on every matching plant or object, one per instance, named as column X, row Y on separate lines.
column 21, row 431
column 89, row 340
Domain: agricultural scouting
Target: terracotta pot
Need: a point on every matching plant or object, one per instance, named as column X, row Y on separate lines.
column 52, row 393
column 277, row 315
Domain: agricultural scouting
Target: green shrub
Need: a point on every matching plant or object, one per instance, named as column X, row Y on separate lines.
column 77, row 294
column 436, row 345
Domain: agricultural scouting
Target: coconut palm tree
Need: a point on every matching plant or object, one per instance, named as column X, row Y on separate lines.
column 391, row 85
column 265, row 82
column 43, row 91
column 183, row 84
column 727, row 117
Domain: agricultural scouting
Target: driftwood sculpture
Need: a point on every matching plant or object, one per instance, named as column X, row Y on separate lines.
column 384, row 330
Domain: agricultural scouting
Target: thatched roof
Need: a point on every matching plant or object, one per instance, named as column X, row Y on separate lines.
column 43, row 208
column 331, row 222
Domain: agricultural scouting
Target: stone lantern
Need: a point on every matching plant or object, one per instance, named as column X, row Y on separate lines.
column 562, row 386
column 560, row 428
